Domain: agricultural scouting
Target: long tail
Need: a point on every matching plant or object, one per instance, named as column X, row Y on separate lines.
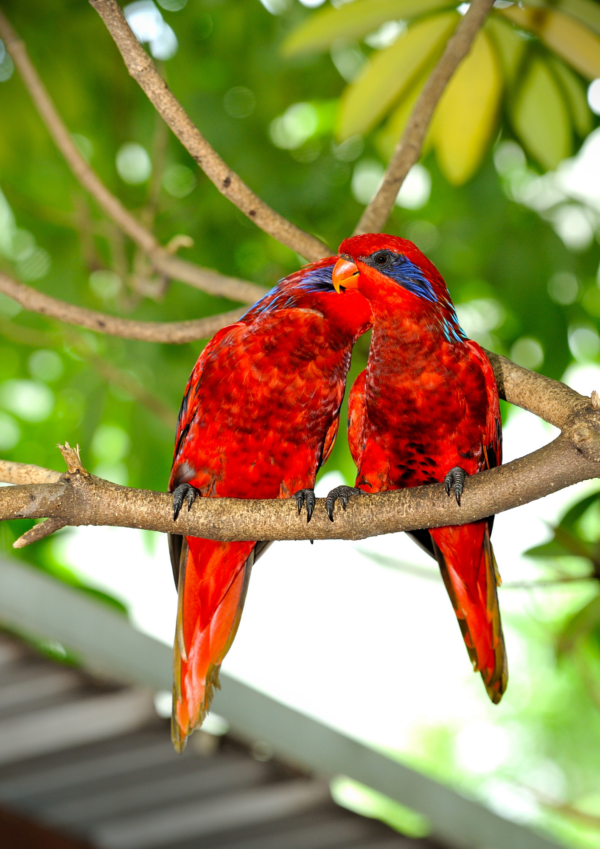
column 468, row 566
column 212, row 583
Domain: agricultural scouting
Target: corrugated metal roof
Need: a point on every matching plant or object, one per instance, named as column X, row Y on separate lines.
column 93, row 761
column 49, row 713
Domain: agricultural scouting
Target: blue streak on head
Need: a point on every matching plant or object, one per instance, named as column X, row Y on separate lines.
column 312, row 281
column 410, row 276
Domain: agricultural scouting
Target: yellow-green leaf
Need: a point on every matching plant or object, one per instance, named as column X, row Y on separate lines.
column 575, row 96
column 353, row 21
column 585, row 11
column 467, row 114
column 387, row 138
column 510, row 46
column 391, row 72
column 569, row 39
column 541, row 117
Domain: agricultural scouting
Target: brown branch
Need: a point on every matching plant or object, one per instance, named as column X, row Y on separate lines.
column 143, row 71
column 39, row 531
column 26, row 473
column 172, row 332
column 201, row 278
column 409, row 147
column 549, row 399
column 82, row 499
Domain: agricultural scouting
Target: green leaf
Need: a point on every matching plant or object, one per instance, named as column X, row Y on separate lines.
column 585, row 11
column 576, row 97
column 467, row 114
column 509, row 45
column 353, row 21
column 580, row 626
column 391, row 72
column 541, row 117
column 575, row 512
column 566, row 37
column 387, row 138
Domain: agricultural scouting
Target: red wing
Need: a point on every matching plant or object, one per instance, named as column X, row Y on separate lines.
column 492, row 438
column 357, row 419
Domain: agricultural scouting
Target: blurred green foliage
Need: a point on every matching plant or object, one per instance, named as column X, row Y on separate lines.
column 519, row 253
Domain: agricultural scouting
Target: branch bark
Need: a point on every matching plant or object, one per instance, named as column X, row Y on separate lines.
column 409, row 147
column 79, row 498
column 164, row 261
column 143, row 71
column 172, row 332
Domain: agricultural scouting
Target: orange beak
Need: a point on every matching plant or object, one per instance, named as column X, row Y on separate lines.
column 345, row 274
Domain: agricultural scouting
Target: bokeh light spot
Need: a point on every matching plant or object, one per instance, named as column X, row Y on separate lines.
column 110, row 444
column 133, row 164
column 584, row 342
column 10, row 432
column 179, row 181
column 29, row 400
column 295, row 126
column 105, row 284
column 593, row 96
column 173, row 5
column 45, row 365
column 366, row 179
column 527, row 352
column 563, row 287
column 416, row 188
column 239, row 102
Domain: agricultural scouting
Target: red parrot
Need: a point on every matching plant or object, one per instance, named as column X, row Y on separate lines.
column 259, row 417
column 426, row 410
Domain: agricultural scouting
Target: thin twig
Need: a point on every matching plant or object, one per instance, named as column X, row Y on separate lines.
column 201, row 278
column 39, row 531
column 409, row 147
column 172, row 332
column 143, row 71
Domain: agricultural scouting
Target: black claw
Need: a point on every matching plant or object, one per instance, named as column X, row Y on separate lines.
column 455, row 481
column 184, row 492
column 306, row 496
column 343, row 493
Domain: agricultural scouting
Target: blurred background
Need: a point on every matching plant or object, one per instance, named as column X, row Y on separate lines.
column 306, row 105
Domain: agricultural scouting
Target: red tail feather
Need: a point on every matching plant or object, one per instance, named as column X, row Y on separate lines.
column 468, row 567
column 213, row 579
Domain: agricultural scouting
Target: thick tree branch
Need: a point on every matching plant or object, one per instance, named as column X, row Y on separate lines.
column 26, row 473
column 172, row 332
column 79, row 498
column 143, row 71
column 408, row 149
column 162, row 258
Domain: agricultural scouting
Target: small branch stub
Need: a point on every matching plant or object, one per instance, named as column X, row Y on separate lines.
column 72, row 458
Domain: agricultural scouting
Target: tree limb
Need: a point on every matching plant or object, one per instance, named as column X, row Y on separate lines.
column 172, row 332
column 408, row 149
column 143, row 71
column 164, row 261
column 79, row 498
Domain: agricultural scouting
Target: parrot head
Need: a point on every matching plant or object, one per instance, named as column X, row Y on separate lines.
column 395, row 276
column 377, row 265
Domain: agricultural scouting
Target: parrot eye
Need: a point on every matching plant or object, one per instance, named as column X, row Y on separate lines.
column 382, row 258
